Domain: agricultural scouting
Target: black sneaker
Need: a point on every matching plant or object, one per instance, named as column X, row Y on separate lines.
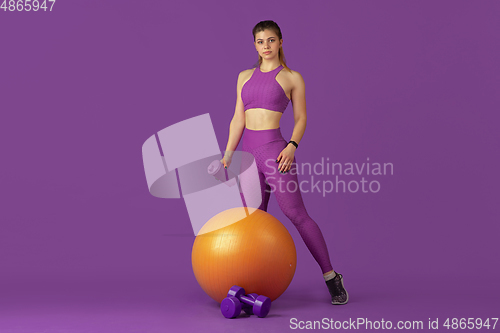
column 337, row 290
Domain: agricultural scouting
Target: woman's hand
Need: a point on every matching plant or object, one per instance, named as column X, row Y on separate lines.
column 226, row 161
column 285, row 158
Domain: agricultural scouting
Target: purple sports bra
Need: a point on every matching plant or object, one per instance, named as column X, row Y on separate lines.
column 263, row 91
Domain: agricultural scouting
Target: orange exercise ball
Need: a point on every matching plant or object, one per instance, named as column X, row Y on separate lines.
column 247, row 247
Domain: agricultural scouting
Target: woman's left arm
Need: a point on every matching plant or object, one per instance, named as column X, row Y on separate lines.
column 298, row 98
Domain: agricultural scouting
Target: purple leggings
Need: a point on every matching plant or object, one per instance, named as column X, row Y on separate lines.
column 265, row 146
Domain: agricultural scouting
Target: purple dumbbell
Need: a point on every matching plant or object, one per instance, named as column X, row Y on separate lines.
column 230, row 307
column 230, row 310
column 249, row 308
column 254, row 304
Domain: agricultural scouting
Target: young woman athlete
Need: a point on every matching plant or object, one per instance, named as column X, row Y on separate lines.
column 263, row 93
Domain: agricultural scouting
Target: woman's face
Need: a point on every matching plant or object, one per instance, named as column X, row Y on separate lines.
column 267, row 44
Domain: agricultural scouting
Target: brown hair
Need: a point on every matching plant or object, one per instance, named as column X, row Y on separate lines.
column 270, row 25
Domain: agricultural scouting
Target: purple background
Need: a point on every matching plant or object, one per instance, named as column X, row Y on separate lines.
column 84, row 247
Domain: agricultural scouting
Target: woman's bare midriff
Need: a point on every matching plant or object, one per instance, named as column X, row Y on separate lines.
column 262, row 119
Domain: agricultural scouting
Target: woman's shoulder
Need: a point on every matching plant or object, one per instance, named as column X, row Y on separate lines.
column 293, row 76
column 291, row 72
column 245, row 74
column 246, row 71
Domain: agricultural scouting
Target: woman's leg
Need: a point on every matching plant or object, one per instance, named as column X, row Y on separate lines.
column 254, row 193
column 265, row 191
column 265, row 147
column 287, row 191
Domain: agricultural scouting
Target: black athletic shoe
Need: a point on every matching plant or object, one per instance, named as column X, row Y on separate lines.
column 337, row 290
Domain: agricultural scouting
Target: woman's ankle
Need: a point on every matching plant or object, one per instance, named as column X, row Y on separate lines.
column 329, row 275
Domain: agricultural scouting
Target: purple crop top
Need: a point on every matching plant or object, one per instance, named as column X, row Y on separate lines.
column 263, row 91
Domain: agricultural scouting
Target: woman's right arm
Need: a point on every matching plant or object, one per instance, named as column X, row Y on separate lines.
column 237, row 124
